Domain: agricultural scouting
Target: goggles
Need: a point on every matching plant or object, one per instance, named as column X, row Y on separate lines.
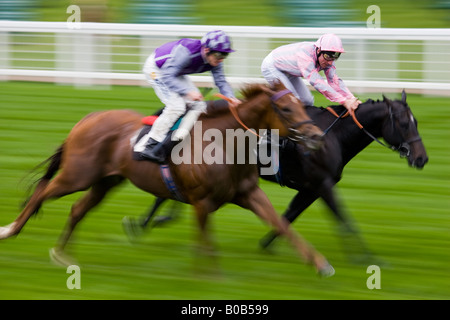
column 330, row 55
column 219, row 55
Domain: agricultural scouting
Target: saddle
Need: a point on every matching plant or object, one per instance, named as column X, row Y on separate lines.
column 211, row 107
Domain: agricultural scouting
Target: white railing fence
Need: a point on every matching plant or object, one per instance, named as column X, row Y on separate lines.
column 109, row 53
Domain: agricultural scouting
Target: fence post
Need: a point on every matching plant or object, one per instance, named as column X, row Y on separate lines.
column 4, row 53
column 63, row 55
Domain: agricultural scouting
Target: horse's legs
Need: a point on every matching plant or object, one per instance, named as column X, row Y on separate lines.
column 150, row 215
column 258, row 202
column 94, row 196
column 31, row 207
column 355, row 246
column 56, row 188
column 202, row 210
column 299, row 203
column 353, row 242
column 304, row 198
column 206, row 262
column 307, row 196
column 136, row 227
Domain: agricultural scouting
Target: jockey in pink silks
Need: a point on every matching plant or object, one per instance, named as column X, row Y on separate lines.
column 290, row 63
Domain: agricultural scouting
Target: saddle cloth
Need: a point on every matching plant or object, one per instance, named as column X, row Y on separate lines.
column 148, row 122
column 164, row 168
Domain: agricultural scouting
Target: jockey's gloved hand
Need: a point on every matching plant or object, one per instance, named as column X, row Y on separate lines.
column 194, row 96
column 352, row 104
column 234, row 102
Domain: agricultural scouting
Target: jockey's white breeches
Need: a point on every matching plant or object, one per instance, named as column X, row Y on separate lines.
column 293, row 83
column 175, row 104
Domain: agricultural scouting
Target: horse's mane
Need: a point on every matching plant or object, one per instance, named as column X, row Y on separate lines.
column 251, row 90
column 340, row 108
column 218, row 107
column 336, row 107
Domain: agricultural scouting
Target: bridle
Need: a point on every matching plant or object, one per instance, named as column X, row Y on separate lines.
column 403, row 148
column 296, row 135
column 278, row 95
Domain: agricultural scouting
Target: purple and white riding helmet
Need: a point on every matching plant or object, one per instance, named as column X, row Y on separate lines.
column 217, row 41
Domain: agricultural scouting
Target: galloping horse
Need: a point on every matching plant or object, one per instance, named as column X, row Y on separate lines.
column 97, row 155
column 315, row 173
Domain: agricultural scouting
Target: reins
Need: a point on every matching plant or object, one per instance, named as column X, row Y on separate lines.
column 344, row 114
column 235, row 114
column 274, row 98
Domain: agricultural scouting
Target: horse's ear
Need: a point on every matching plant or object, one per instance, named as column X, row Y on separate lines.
column 277, row 84
column 404, row 96
column 267, row 90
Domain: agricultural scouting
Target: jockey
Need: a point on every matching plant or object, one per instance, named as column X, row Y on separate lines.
column 166, row 69
column 290, row 63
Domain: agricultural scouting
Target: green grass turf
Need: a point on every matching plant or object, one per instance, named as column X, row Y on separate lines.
column 401, row 212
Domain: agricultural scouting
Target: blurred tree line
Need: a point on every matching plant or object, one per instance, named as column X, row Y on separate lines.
column 319, row 13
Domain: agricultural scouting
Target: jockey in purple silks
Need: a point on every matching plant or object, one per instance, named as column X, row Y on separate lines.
column 166, row 69
column 290, row 63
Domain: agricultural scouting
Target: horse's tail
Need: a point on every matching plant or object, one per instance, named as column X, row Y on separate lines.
column 54, row 162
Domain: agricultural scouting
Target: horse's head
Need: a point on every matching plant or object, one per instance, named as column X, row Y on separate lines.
column 291, row 118
column 400, row 131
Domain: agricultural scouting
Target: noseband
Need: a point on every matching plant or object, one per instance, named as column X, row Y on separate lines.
column 404, row 148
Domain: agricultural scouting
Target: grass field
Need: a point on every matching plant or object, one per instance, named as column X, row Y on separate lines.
column 402, row 213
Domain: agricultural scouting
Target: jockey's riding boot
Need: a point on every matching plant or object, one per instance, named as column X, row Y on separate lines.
column 154, row 151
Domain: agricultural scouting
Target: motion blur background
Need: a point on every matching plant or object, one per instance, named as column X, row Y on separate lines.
column 402, row 213
column 297, row 13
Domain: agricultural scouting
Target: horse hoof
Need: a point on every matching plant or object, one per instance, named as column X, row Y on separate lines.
column 132, row 229
column 59, row 258
column 5, row 232
column 264, row 244
column 161, row 220
column 327, row 271
column 267, row 240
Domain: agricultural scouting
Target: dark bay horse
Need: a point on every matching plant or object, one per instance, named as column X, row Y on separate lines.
column 97, row 155
column 315, row 173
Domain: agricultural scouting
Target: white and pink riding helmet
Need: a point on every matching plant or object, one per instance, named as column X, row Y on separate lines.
column 331, row 44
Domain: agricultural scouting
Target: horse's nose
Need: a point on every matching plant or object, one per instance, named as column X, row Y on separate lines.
column 420, row 162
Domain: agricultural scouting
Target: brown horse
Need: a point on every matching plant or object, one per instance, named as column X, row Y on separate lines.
column 97, row 155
